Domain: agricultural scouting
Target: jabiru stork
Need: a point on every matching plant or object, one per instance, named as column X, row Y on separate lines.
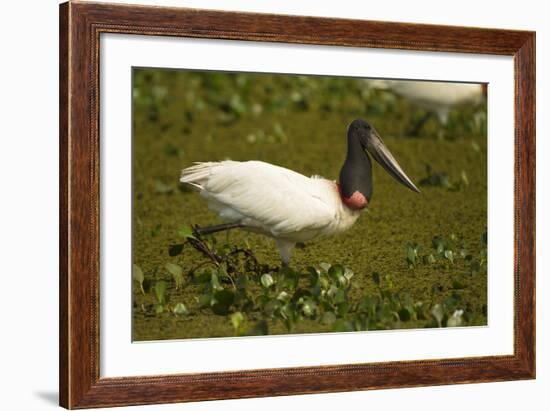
column 288, row 206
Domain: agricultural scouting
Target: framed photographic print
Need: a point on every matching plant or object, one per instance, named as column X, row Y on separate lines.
column 256, row 205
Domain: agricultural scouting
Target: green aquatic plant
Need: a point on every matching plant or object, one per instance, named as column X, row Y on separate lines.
column 446, row 251
column 230, row 282
column 442, row 179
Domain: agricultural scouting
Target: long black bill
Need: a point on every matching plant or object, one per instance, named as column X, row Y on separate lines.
column 382, row 155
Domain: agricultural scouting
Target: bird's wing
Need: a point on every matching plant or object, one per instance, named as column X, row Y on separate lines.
column 280, row 200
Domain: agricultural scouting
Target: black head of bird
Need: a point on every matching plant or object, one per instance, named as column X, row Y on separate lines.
column 356, row 173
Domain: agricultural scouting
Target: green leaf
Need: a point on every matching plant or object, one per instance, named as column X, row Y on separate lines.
column 177, row 273
column 202, row 277
column 449, row 255
column 328, row 318
column 225, row 297
column 180, row 309
column 437, row 312
column 185, row 231
column 309, row 308
column 343, row 308
column 339, row 297
column 411, row 255
column 457, row 285
column 205, row 300
column 342, row 326
column 324, row 267
column 261, row 328
column 267, row 280
column 162, row 188
column 175, row 249
column 336, row 271
column 348, row 273
column 455, row 320
column 242, row 281
column 283, row 296
column 404, row 314
column 376, row 278
column 237, row 319
column 138, row 276
column 160, row 291
column 215, row 282
column 475, row 267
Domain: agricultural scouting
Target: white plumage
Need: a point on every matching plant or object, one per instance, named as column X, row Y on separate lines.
column 272, row 200
column 435, row 96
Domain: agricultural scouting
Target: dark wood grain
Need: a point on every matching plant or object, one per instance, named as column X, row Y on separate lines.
column 80, row 27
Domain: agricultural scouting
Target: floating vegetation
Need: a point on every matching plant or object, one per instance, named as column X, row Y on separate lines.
column 442, row 179
column 232, row 283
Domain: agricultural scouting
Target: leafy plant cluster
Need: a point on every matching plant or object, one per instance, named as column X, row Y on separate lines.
column 232, row 97
column 253, row 297
column 442, row 179
column 445, row 251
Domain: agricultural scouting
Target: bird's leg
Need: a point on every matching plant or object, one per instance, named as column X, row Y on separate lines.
column 217, row 228
column 285, row 250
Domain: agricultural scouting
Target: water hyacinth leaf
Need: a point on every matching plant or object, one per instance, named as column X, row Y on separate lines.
column 225, row 297
column 328, row 318
column 270, row 307
column 175, row 249
column 309, row 308
column 342, row 308
column 177, row 273
column 438, row 313
column 464, row 178
column 342, row 326
column 336, row 271
column 205, row 300
column 348, row 273
column 449, row 255
column 404, row 314
column 237, row 319
column 475, row 267
column 137, row 275
column 339, row 297
column 455, row 320
column 411, row 255
column 180, row 309
column 458, row 285
column 163, row 188
column 324, row 267
column 185, row 231
column 160, row 291
column 215, row 282
column 201, row 277
column 260, row 328
column 267, row 280
column 242, row 281
column 283, row 296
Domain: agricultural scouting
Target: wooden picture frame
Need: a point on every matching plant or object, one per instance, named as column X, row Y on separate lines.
column 80, row 27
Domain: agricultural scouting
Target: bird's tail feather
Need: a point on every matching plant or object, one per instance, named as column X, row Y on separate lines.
column 197, row 174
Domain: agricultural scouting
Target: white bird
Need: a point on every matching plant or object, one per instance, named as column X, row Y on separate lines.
column 286, row 205
column 434, row 96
